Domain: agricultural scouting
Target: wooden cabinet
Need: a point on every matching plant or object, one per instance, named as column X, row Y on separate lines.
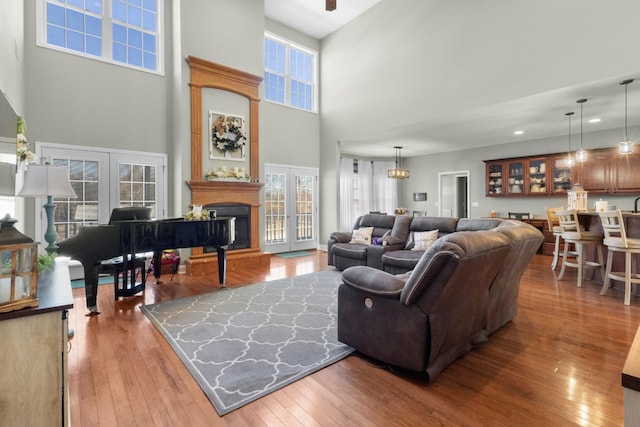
column 608, row 172
column 594, row 174
column 561, row 176
column 604, row 172
column 627, row 173
column 34, row 388
column 518, row 177
column 495, row 178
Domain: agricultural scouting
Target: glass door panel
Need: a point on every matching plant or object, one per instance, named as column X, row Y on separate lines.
column 515, row 183
column 537, row 176
column 290, row 208
column 560, row 175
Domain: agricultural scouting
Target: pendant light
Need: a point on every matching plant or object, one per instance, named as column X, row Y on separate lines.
column 581, row 155
column 626, row 146
column 398, row 172
column 569, row 161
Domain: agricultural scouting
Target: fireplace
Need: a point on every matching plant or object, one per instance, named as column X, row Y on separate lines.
column 242, row 213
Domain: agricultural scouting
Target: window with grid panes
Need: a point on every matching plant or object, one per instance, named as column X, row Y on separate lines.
column 289, row 73
column 126, row 32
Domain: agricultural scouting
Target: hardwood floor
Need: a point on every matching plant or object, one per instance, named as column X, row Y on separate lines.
column 558, row 363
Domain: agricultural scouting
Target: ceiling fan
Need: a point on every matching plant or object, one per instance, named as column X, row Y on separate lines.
column 331, row 5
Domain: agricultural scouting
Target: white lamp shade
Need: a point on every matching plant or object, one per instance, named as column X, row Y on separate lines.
column 46, row 180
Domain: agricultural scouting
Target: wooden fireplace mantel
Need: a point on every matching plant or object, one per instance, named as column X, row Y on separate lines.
column 217, row 192
column 206, row 74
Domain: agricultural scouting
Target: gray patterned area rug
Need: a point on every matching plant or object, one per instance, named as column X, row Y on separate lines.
column 243, row 343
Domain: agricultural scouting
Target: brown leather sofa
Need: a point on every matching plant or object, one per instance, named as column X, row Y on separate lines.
column 463, row 288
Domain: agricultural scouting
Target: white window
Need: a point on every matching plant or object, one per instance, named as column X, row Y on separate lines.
column 290, row 73
column 125, row 32
column 103, row 180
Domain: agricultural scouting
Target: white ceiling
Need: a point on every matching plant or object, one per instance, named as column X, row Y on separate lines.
column 311, row 18
column 540, row 116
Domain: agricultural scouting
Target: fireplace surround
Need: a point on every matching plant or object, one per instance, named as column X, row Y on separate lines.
column 206, row 74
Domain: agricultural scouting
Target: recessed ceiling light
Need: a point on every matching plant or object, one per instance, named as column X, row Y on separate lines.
column 518, row 132
column 595, row 120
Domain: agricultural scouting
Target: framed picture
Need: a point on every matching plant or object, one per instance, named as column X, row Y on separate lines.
column 419, row 197
column 227, row 137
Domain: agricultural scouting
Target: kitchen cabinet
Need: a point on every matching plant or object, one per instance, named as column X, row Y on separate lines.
column 594, row 173
column 495, row 172
column 604, row 172
column 608, row 172
column 517, row 177
column 627, row 173
column 561, row 176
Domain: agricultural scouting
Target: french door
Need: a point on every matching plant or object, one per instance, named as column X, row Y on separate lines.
column 103, row 180
column 291, row 208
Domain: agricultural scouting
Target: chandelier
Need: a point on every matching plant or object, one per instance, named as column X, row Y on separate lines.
column 398, row 172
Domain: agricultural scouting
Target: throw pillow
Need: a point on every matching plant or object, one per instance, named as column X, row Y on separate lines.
column 423, row 239
column 362, row 235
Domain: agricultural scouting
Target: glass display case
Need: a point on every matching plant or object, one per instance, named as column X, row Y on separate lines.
column 516, row 176
column 560, row 175
column 495, row 186
column 537, row 177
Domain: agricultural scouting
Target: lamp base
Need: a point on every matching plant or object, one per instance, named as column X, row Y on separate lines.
column 50, row 236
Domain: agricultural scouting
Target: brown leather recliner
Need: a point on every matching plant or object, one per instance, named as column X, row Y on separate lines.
column 425, row 319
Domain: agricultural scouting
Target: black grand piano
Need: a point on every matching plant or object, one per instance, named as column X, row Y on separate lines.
column 129, row 233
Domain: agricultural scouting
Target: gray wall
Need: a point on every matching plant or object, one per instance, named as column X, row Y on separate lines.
column 405, row 61
column 424, row 175
column 442, row 58
column 77, row 101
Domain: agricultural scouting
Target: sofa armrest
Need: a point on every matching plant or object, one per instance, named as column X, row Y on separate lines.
column 392, row 240
column 372, row 281
column 341, row 236
column 375, row 252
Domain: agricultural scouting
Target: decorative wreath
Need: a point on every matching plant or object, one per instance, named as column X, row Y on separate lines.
column 227, row 133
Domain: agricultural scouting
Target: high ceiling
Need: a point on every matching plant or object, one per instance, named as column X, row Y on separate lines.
column 539, row 116
column 311, row 18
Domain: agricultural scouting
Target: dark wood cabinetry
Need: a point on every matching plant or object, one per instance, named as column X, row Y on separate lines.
column 594, row 173
column 627, row 173
column 604, row 172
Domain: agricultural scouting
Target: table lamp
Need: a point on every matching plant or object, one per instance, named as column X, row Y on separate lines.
column 50, row 181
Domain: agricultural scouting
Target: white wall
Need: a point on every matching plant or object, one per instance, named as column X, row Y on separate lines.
column 12, row 55
column 404, row 61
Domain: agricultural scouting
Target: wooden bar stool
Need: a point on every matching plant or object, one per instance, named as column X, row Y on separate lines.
column 615, row 237
column 572, row 234
column 554, row 227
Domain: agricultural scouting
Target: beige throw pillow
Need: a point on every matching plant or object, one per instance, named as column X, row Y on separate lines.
column 423, row 239
column 362, row 235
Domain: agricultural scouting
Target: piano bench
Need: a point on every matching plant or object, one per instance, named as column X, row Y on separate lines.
column 115, row 267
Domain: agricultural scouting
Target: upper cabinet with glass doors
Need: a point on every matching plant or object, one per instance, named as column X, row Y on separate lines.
column 605, row 172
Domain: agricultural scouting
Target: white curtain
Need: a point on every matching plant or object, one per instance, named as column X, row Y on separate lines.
column 385, row 190
column 367, row 190
column 346, row 194
column 365, row 176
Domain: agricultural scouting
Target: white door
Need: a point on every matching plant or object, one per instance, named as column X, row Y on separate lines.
column 103, row 180
column 291, row 208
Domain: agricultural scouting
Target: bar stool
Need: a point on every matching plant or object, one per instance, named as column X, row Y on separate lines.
column 554, row 227
column 615, row 237
column 572, row 234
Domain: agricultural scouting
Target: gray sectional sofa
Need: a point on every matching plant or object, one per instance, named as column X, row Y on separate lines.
column 462, row 288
